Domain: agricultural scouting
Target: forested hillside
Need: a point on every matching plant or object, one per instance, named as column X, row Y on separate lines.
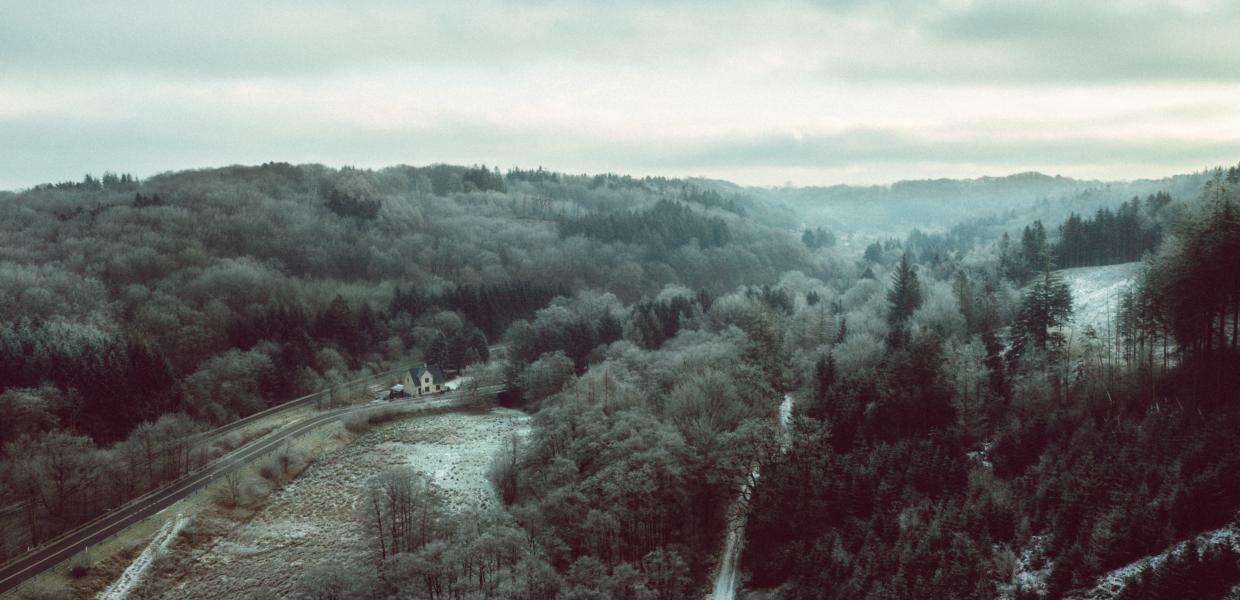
column 132, row 313
column 952, row 437
column 959, row 469
column 937, row 205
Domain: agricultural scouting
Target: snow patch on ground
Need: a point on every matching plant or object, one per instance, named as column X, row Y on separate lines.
column 456, row 451
column 726, row 577
column 785, row 419
column 982, row 456
column 314, row 519
column 1111, row 584
column 1096, row 294
column 133, row 575
column 1031, row 570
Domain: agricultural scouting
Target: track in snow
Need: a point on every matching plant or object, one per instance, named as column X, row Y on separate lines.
column 133, row 574
column 725, row 580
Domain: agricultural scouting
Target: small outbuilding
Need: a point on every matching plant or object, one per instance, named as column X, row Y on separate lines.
column 426, row 379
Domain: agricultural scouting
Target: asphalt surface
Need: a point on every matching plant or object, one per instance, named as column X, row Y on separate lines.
column 117, row 520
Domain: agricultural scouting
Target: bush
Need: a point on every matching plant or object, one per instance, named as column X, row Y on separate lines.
column 79, row 567
column 363, row 421
column 356, row 423
column 191, row 532
column 269, row 468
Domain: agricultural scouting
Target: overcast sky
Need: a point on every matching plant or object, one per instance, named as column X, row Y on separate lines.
column 754, row 92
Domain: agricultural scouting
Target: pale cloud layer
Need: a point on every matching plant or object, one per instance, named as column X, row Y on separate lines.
column 763, row 93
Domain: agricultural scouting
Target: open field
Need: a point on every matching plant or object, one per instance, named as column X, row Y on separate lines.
column 313, row 517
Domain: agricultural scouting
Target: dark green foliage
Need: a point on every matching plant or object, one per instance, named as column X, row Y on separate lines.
column 712, row 199
column 959, row 239
column 818, row 238
column 1046, row 306
column 1019, row 263
column 878, row 516
column 776, row 298
column 106, row 383
column 905, row 294
column 666, row 226
column 538, row 175
column 824, row 376
column 110, row 182
column 481, row 179
column 1110, row 237
column 874, row 253
column 141, row 201
column 1192, row 290
column 491, row 307
column 658, row 321
column 347, row 204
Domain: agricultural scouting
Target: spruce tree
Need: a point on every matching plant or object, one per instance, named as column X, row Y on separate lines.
column 824, row 376
column 905, row 294
column 1048, row 304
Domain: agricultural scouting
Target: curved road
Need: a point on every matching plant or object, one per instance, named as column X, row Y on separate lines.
column 138, row 509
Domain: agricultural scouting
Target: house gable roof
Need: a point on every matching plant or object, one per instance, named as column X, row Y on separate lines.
column 436, row 373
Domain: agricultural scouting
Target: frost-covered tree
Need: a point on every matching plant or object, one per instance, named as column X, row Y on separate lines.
column 1044, row 307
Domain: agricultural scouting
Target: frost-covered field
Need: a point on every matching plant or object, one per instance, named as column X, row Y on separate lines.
column 456, row 449
column 314, row 517
column 1096, row 294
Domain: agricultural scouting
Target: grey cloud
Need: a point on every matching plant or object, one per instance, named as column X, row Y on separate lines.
column 287, row 37
column 882, row 147
column 1024, row 40
column 1060, row 41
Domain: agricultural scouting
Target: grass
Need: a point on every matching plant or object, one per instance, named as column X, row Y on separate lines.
column 88, row 573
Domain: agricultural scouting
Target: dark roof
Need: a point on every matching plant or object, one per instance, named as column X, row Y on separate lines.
column 436, row 373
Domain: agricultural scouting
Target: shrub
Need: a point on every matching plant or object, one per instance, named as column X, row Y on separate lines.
column 356, row 423
column 79, row 567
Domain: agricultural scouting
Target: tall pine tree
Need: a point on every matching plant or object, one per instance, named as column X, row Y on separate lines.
column 905, row 294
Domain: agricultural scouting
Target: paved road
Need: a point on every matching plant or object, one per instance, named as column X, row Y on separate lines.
column 115, row 521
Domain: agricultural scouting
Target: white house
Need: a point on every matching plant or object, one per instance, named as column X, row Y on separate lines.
column 426, row 379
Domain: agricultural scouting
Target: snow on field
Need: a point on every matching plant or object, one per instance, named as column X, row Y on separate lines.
column 133, row 575
column 314, row 519
column 1096, row 294
column 456, row 449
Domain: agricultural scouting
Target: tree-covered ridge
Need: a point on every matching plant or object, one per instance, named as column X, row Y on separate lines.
column 320, row 271
column 668, row 225
column 212, row 294
column 1191, row 290
column 1111, row 237
column 938, row 205
column 929, row 476
column 947, row 421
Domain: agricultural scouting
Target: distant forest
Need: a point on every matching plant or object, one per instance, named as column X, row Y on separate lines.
column 954, row 432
